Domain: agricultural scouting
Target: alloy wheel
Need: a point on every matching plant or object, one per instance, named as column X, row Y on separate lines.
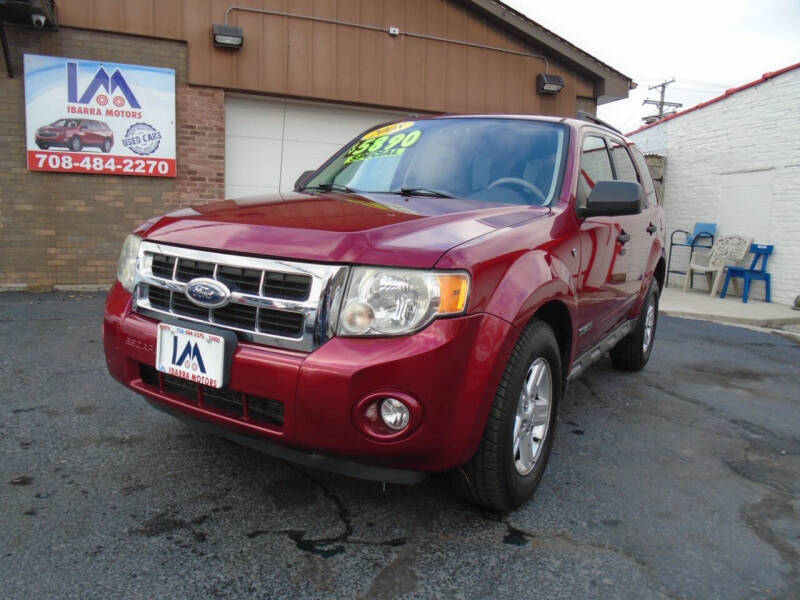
column 532, row 420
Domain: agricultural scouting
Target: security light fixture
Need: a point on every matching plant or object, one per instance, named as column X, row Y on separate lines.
column 549, row 84
column 227, row 36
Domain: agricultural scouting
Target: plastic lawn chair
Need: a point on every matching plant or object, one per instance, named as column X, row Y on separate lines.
column 760, row 252
column 701, row 237
column 727, row 250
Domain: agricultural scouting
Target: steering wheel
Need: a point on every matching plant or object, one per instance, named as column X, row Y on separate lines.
column 522, row 183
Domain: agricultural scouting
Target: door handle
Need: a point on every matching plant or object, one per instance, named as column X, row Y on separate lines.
column 623, row 237
column 651, row 229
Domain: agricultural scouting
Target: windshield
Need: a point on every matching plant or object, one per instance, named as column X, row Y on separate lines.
column 63, row 123
column 509, row 161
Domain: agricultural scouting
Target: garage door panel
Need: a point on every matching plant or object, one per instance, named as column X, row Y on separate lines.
column 254, row 117
column 242, row 191
column 303, row 156
column 269, row 143
column 252, row 161
column 307, row 122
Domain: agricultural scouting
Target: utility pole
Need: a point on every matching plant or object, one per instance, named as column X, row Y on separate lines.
column 660, row 103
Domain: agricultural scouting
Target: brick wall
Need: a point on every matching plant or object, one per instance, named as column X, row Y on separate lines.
column 737, row 163
column 62, row 230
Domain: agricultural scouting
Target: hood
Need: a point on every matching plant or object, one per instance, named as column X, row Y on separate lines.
column 376, row 229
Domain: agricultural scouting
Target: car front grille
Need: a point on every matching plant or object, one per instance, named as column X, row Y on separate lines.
column 275, row 302
column 47, row 134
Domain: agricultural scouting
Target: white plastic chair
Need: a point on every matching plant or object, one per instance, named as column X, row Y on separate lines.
column 727, row 250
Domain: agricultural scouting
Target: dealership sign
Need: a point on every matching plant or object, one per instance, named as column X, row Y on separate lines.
column 90, row 117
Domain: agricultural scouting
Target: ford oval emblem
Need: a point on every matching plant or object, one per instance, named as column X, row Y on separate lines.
column 208, row 293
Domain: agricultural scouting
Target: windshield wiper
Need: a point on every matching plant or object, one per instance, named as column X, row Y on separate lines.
column 409, row 191
column 330, row 187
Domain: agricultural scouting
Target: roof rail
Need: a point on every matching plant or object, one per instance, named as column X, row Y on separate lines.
column 584, row 116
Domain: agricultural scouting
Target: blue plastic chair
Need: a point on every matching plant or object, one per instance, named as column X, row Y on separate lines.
column 701, row 237
column 760, row 252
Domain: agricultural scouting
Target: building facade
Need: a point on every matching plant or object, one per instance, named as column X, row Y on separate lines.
column 309, row 76
column 735, row 161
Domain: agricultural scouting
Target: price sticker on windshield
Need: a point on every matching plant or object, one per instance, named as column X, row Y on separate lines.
column 379, row 146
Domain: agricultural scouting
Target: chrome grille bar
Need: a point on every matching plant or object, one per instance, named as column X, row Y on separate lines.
column 316, row 315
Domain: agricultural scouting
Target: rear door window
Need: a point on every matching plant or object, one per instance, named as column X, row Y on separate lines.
column 647, row 180
column 623, row 165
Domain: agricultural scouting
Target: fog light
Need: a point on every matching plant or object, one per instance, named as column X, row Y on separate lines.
column 394, row 414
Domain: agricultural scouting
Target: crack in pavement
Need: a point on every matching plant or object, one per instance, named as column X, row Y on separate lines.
column 328, row 546
column 518, row 536
column 546, row 541
column 757, row 516
column 750, row 428
column 758, row 466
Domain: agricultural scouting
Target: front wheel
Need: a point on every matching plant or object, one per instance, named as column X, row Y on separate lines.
column 516, row 444
column 75, row 144
column 633, row 351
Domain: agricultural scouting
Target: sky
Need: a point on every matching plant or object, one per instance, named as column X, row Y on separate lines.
column 707, row 46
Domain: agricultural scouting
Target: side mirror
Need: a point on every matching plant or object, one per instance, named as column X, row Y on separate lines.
column 613, row 199
column 304, row 177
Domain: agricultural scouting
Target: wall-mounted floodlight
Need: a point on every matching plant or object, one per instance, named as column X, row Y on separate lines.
column 549, row 84
column 227, row 36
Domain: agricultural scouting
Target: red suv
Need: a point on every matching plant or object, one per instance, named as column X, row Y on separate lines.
column 418, row 304
column 75, row 134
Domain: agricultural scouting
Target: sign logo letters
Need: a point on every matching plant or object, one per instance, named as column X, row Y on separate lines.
column 101, row 81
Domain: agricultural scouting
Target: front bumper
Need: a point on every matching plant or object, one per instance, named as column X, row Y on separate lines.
column 56, row 139
column 452, row 368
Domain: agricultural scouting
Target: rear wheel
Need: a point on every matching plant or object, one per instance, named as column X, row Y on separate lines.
column 516, row 444
column 633, row 351
column 107, row 145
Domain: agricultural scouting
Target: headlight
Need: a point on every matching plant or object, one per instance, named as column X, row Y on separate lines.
column 382, row 301
column 126, row 269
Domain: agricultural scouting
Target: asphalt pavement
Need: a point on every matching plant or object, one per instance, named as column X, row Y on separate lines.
column 682, row 481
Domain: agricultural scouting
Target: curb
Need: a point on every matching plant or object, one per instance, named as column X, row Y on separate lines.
column 765, row 323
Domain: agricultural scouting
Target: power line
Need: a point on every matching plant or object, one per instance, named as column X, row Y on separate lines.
column 698, row 90
column 689, row 81
column 705, row 83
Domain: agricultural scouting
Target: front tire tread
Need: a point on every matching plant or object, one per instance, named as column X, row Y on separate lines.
column 484, row 480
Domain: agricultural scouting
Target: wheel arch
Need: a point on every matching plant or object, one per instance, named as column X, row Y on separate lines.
column 660, row 273
column 551, row 299
column 557, row 316
column 536, row 285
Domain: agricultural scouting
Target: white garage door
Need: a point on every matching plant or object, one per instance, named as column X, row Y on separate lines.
column 269, row 143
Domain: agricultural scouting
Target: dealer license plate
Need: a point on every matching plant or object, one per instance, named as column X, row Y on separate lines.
column 191, row 354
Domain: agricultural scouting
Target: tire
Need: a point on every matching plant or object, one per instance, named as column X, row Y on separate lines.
column 75, row 144
column 633, row 351
column 498, row 477
column 106, row 147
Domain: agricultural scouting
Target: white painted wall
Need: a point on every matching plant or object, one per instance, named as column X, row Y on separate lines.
column 737, row 163
column 269, row 143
